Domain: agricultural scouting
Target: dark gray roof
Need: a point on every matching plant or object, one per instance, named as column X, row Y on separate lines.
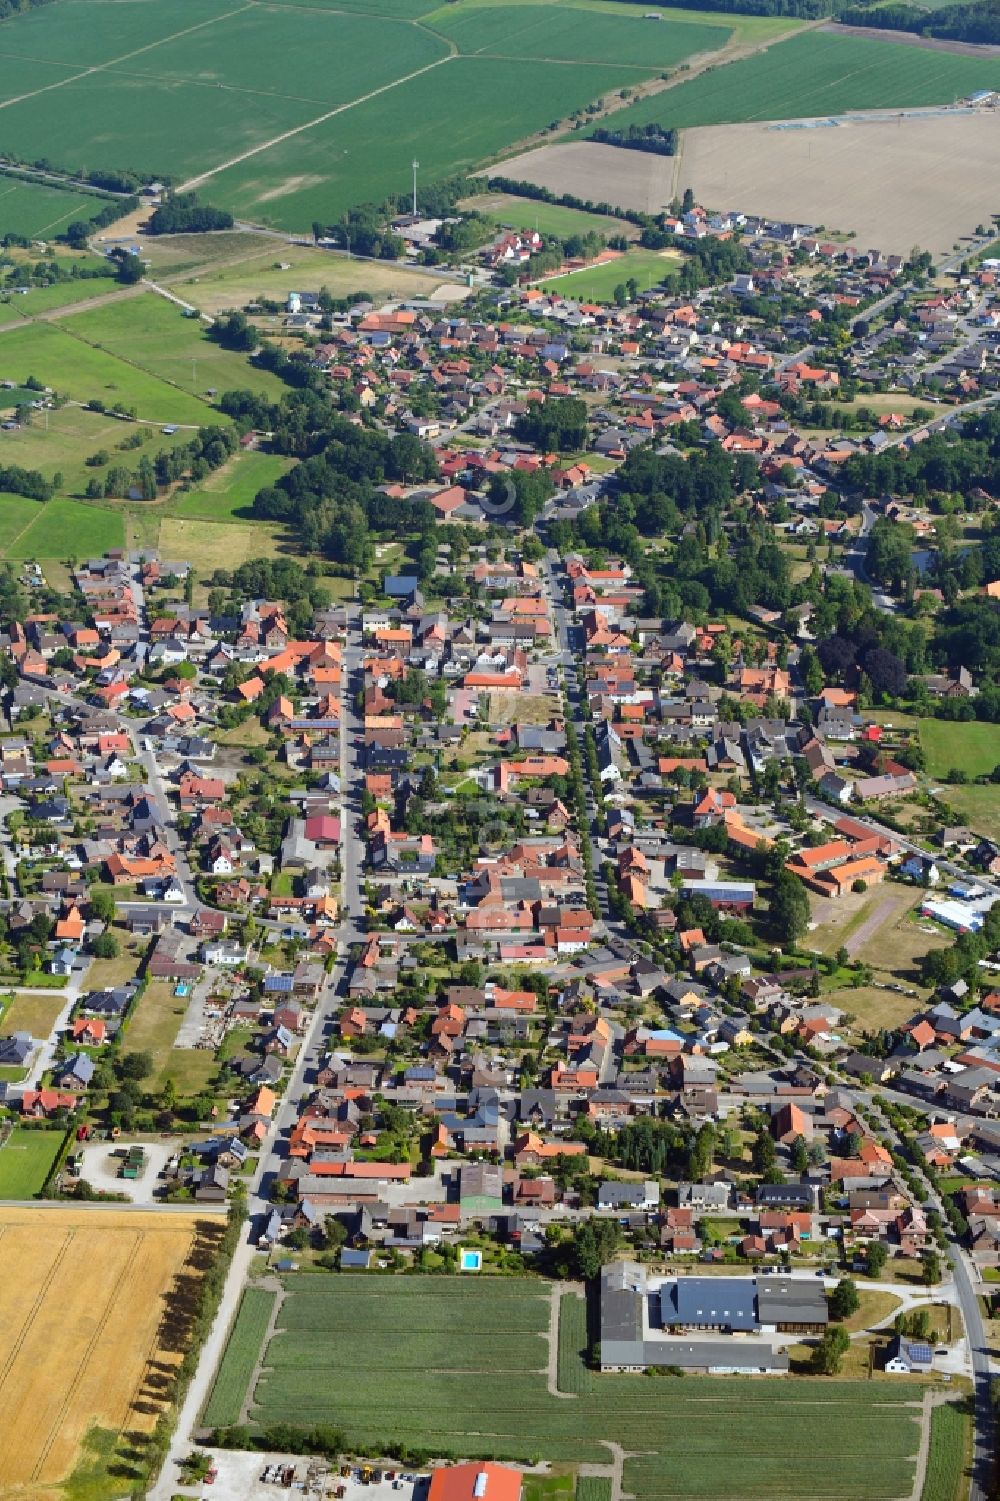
column 791, row 1300
column 709, row 1302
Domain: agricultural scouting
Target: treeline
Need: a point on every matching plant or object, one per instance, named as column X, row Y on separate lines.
column 184, row 214
column 522, row 189
column 804, row 10
column 17, row 481
column 207, row 451
column 659, row 140
column 978, row 23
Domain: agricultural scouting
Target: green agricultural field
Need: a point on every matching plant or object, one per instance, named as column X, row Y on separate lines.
column 27, row 208
column 948, row 1454
column 228, row 494
column 68, row 527
column 547, row 218
column 355, row 84
column 543, row 32
column 453, row 1365
column 970, row 747
column 154, row 334
column 593, row 1488
column 25, row 1161
column 451, row 119
column 818, row 73
column 597, row 283
column 74, row 368
column 242, row 1350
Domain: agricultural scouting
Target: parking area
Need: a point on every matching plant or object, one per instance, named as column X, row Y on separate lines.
column 267, row 1477
column 101, row 1163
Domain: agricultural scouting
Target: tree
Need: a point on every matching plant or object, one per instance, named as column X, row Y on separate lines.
column 102, row 905
column 844, row 1299
column 135, row 1067
column 764, row 1154
column 830, row 1352
column 876, row 1257
column 789, row 908
column 931, row 1267
column 800, row 1154
column 595, row 1242
column 105, row 946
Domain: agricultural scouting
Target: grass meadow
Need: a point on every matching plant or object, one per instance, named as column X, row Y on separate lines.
column 817, row 73
column 74, row 368
column 453, row 1366
column 970, row 747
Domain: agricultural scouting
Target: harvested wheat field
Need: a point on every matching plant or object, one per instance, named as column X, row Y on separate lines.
column 895, row 181
column 599, row 174
column 93, row 1313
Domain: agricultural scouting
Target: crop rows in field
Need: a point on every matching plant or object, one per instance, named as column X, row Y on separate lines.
column 453, row 1366
column 947, row 1453
column 817, row 73
column 171, row 95
column 242, row 1350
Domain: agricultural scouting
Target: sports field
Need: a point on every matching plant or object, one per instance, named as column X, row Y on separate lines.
column 597, row 283
column 87, row 1305
column 813, row 74
column 457, row 1366
column 296, row 112
column 25, row 1160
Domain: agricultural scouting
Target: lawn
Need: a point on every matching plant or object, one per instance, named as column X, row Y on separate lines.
column 817, row 73
column 154, row 334
column 228, row 493
column 970, row 747
column 26, row 1159
column 422, row 1361
column 948, row 1455
column 32, row 1013
column 17, row 514
column 65, row 527
column 547, row 218
column 597, row 283
column 28, row 208
column 242, row 1349
column 73, row 367
column 152, row 1028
